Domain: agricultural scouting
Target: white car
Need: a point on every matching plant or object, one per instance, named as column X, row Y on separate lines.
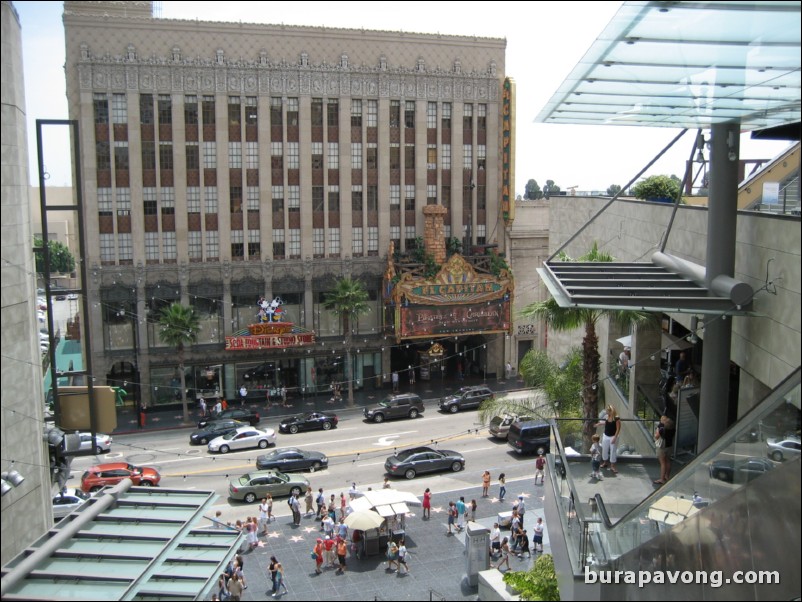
column 243, row 438
column 67, row 501
column 103, row 443
column 782, row 448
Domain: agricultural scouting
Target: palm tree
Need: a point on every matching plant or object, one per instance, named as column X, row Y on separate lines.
column 349, row 299
column 178, row 326
column 562, row 319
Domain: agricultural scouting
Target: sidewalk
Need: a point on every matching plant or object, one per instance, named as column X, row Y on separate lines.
column 430, row 392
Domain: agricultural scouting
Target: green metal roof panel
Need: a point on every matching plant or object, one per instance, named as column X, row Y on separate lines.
column 67, row 589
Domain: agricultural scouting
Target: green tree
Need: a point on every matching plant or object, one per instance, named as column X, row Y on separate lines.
column 61, row 260
column 550, row 189
column 538, row 583
column 532, row 191
column 657, row 187
column 178, row 327
column 561, row 319
column 613, row 189
column 349, row 300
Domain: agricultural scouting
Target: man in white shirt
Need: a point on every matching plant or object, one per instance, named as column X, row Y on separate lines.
column 263, row 516
column 495, row 540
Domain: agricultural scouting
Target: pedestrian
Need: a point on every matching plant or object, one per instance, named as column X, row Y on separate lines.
column 284, row 397
column 317, row 554
column 505, row 555
column 281, row 581
column 523, row 545
column 386, row 484
column 264, row 517
column 223, row 404
column 508, row 371
column 664, row 443
column 239, row 567
column 402, row 556
column 234, row 588
column 595, row 458
column 218, row 407
column 353, row 492
column 343, row 505
column 243, row 393
column 521, row 509
column 538, row 536
column 309, row 501
column 473, row 507
column 427, row 504
column 502, row 486
column 328, row 525
column 270, row 516
column 321, row 503
column 452, row 514
column 342, row 550
column 268, row 398
column 202, row 404
column 540, row 467
column 515, row 529
column 295, row 505
column 411, row 376
column 392, row 556
column 222, row 587
column 485, row 482
column 462, row 510
column 495, row 541
column 612, row 429
column 395, row 382
column 272, row 570
column 217, row 522
column 330, row 550
column 342, row 529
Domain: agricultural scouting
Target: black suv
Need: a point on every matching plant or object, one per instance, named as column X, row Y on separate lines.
column 241, row 414
column 467, row 398
column 213, row 429
column 406, row 405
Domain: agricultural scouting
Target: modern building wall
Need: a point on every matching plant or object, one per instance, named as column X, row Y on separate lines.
column 26, row 509
column 61, row 225
column 226, row 161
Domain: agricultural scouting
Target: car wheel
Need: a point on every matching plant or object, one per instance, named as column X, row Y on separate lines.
column 224, row 449
column 413, row 413
column 295, row 491
column 146, row 483
column 293, row 429
column 314, row 467
column 263, row 444
column 98, row 450
column 454, row 409
column 249, row 498
column 326, row 426
column 378, row 418
column 722, row 475
column 410, row 473
column 456, row 466
column 777, row 456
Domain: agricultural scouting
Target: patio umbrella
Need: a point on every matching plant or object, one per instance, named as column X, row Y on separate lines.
column 363, row 520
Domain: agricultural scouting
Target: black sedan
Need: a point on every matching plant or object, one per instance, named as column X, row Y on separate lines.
column 308, row 422
column 739, row 471
column 419, row 460
column 241, row 414
column 288, row 459
column 214, row 429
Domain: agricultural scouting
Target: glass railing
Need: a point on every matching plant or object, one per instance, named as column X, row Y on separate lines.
column 600, row 525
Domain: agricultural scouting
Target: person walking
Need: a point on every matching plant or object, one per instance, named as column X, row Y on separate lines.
column 395, row 382
column 243, row 393
column 612, row 429
column 321, row 503
column 202, row 405
column 295, row 505
column 521, row 509
column 317, row 554
column 495, row 541
column 234, row 588
column 281, row 582
column 343, row 505
column 310, row 502
column 270, row 516
column 595, row 458
column 538, row 537
column 342, row 551
column 523, row 545
column 485, row 483
column 502, row 486
column 505, row 555
column 540, row 468
column 462, row 509
column 427, row 504
column 452, row 514
column 472, row 508
column 402, row 557
column 222, row 587
column 392, row 556
column 353, row 493
column 264, row 517
column 272, row 569
column 664, row 443
column 386, row 483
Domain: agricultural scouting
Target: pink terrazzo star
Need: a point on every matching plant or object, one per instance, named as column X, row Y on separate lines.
column 272, row 535
column 437, row 509
column 310, row 529
column 297, row 538
column 493, row 500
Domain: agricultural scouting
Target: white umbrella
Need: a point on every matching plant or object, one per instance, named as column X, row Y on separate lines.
column 363, row 520
column 626, row 341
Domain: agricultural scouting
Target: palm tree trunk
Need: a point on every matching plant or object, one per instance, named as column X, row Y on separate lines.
column 348, row 370
column 590, row 386
column 183, row 383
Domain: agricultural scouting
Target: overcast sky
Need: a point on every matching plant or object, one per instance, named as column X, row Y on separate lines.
column 545, row 40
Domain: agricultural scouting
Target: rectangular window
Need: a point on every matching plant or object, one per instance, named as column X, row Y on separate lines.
column 409, row 114
column 481, row 117
column 235, row 155
column 373, row 113
column 334, row 198
column 100, row 102
column 276, row 155
column 446, row 117
column 207, row 109
column 333, row 112
column 125, row 246
column 409, row 237
column 292, row 111
column 409, row 156
column 251, row 110
column 293, row 157
column 210, row 155
column 446, row 151
column 212, row 244
column 395, row 236
column 294, row 198
column 275, row 112
column 481, row 156
column 373, row 239
column 431, row 156
column 277, row 196
column 235, row 198
column 168, row 245
column 295, row 243
column 234, row 110
column 123, row 201
column 372, row 157
column 193, row 199
column 334, row 241
column 431, row 194
column 356, row 155
column 190, row 109
column 165, row 155
column 107, row 247
column 318, row 242
column 373, row 198
column 317, row 111
column 254, row 243
column 481, row 234
column 149, row 155
column 317, row 155
column 395, row 156
column 481, row 197
column 120, row 155
column 278, row 243
column 104, row 205
column 334, row 155
column 356, row 112
column 409, row 197
column 395, row 113
column 237, row 244
column 467, row 117
column 467, row 156
column 165, row 109
column 447, row 230
column 318, row 201
column 356, row 197
column 149, row 195
column 193, row 155
column 252, row 193
column 252, row 155
column 119, row 108
column 395, row 194
column 152, row 246
column 210, row 196
column 445, row 196
column 194, row 244
column 356, row 242
column 146, row 109
column 168, row 200
column 431, row 115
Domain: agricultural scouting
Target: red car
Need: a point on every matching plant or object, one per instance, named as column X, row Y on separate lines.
column 111, row 474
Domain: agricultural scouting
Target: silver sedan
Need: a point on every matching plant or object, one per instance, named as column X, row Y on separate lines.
column 243, row 438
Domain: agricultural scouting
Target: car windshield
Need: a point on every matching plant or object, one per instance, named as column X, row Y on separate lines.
column 271, row 455
column 230, row 436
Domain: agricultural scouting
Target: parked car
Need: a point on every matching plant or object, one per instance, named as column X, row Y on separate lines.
column 110, row 474
column 67, row 501
column 288, row 459
column 406, row 405
column 739, row 470
column 530, row 437
column 216, row 428
column 308, row 422
column 243, row 438
column 242, row 414
column 256, row 485
column 467, row 398
column 102, row 443
column 419, row 460
column 781, row 448
column 500, row 425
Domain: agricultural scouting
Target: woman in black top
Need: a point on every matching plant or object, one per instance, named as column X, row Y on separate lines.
column 664, row 443
column 612, row 428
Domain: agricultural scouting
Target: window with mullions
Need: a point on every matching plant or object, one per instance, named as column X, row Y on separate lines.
column 292, row 111
column 395, row 236
column 395, row 113
column 100, row 102
column 356, row 242
column 194, row 244
column 446, row 153
column 234, row 110
column 317, row 155
column 207, row 109
column 431, row 115
column 467, row 116
column 237, row 244
column 121, row 155
column 467, row 156
column 409, row 156
column 152, row 246
column 252, row 155
column 318, row 200
column 395, row 195
column 372, row 158
column 395, row 156
column 373, row 113
column 275, row 111
column 356, row 112
column 190, row 109
column 251, row 111
column 212, row 244
column 107, row 247
column 165, row 155
column 210, row 196
column 318, row 242
column 356, row 155
column 278, row 244
column 409, row 237
column 317, row 111
column 104, row 204
column 333, row 112
column 277, row 196
column 235, row 155
column 446, row 116
column 293, row 157
column 431, row 194
column 165, row 109
column 481, row 117
column 409, row 114
column 254, row 244
column 149, row 155
column 334, row 198
column 334, row 241
column 373, row 239
column 294, row 199
column 235, row 196
column 431, row 156
column 119, row 108
column 481, row 156
column 276, row 155
column 125, row 246
column 210, row 155
column 334, row 155
column 295, row 243
column 193, row 199
column 252, row 194
column 123, row 201
column 409, row 197
column 192, row 151
column 168, row 200
column 146, row 109
column 168, row 245
column 373, row 198
column 356, row 197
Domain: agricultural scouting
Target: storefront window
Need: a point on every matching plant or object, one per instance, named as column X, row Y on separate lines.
column 210, row 316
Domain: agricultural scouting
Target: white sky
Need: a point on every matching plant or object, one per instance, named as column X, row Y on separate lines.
column 545, row 40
